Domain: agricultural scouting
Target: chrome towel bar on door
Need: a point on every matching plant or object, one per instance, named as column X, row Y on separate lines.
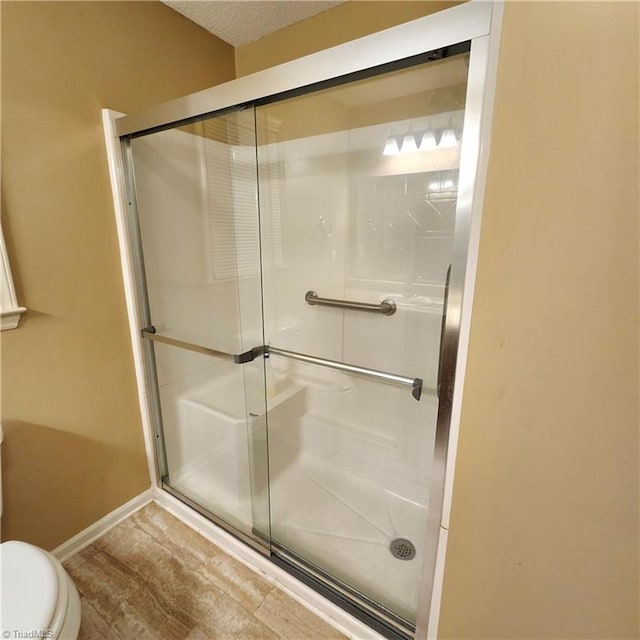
column 386, row 307
column 150, row 333
column 414, row 383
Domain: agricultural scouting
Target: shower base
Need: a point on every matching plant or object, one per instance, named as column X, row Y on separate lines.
column 345, row 525
column 335, row 521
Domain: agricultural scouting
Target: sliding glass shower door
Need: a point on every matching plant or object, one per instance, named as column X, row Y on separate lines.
column 358, row 191
column 197, row 213
column 293, row 259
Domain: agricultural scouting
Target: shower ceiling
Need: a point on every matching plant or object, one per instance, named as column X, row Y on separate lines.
column 241, row 21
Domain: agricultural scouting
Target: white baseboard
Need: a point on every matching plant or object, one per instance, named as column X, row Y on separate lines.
column 88, row 535
column 307, row 597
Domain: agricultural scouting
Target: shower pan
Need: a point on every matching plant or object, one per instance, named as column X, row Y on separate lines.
column 299, row 240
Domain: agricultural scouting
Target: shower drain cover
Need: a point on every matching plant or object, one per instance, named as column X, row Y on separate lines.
column 402, row 549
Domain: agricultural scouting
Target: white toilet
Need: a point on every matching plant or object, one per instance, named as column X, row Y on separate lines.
column 39, row 599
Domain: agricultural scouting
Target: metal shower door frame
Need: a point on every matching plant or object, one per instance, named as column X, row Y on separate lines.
column 476, row 21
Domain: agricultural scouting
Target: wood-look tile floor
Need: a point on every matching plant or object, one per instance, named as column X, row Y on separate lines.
column 152, row 577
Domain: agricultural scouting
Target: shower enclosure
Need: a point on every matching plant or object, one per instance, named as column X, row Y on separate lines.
column 300, row 254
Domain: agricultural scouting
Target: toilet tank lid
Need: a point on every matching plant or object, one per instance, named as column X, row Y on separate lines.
column 29, row 589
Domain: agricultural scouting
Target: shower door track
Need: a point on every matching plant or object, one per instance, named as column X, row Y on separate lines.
column 360, row 606
column 254, row 543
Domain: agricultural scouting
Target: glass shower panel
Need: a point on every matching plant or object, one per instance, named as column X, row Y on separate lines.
column 198, row 216
column 211, row 436
column 197, row 209
column 358, row 204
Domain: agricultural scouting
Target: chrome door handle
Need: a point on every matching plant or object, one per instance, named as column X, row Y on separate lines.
column 150, row 333
column 414, row 383
column 443, row 325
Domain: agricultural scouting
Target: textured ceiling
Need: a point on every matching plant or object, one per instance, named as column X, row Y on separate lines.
column 240, row 21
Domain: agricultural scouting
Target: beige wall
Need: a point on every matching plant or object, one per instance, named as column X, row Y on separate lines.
column 73, row 448
column 343, row 23
column 544, row 530
column 544, row 537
